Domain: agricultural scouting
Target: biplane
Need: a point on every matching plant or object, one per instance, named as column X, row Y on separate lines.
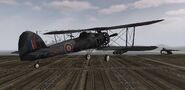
column 32, row 48
column 165, row 51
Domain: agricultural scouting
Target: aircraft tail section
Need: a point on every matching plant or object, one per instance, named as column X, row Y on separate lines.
column 29, row 42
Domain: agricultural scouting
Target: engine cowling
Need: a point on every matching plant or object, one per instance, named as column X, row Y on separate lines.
column 106, row 38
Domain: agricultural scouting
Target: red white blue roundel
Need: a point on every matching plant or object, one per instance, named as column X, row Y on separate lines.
column 68, row 47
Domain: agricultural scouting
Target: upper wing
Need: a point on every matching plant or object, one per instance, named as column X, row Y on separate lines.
column 129, row 48
column 105, row 28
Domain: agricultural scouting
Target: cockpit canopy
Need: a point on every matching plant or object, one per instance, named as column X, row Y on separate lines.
column 85, row 34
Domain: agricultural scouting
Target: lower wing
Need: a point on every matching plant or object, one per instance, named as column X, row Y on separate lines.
column 129, row 48
column 123, row 49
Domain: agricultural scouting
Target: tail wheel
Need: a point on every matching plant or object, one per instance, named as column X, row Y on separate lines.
column 107, row 58
column 36, row 65
column 88, row 57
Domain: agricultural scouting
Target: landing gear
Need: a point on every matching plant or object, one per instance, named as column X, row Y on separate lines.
column 163, row 53
column 36, row 65
column 88, row 57
column 107, row 58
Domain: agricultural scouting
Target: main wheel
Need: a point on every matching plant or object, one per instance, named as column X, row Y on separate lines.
column 107, row 58
column 88, row 57
column 163, row 53
column 36, row 65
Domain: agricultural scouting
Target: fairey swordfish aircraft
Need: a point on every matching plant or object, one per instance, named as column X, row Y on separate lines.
column 32, row 48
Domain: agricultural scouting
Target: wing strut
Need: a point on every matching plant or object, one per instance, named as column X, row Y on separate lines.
column 134, row 34
column 126, row 37
column 55, row 38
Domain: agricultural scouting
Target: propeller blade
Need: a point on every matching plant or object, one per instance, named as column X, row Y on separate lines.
column 113, row 35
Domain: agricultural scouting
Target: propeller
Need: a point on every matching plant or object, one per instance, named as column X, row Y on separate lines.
column 113, row 35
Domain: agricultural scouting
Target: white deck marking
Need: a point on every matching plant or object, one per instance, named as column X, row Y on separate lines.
column 156, row 60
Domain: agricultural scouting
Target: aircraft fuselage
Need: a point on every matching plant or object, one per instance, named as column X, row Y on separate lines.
column 83, row 42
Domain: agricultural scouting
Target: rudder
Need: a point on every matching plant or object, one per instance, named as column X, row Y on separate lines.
column 29, row 42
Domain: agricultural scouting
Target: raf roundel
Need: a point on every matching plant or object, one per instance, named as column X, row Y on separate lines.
column 68, row 47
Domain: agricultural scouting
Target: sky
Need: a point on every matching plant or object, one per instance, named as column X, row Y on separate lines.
column 17, row 16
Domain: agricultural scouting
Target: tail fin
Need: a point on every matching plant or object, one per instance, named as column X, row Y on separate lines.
column 29, row 42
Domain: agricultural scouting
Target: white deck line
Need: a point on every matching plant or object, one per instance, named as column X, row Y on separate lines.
column 172, row 65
